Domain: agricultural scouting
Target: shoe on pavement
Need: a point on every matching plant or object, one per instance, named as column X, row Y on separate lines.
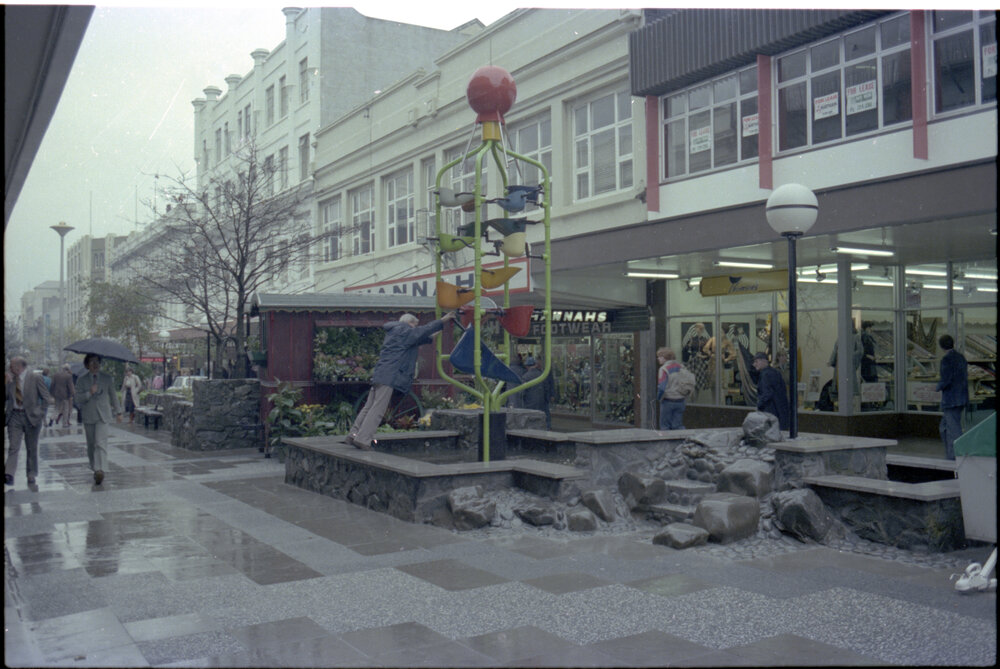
column 8, row 479
column 98, row 477
column 31, row 480
column 358, row 444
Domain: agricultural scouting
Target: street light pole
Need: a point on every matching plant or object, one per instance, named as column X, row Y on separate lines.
column 791, row 210
column 63, row 230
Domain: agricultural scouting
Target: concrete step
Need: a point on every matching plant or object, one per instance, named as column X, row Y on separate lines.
column 670, row 513
column 687, row 492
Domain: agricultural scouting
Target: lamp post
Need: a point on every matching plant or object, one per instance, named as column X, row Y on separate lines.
column 791, row 211
column 164, row 337
column 63, row 230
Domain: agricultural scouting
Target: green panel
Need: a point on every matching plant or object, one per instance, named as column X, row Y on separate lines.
column 980, row 440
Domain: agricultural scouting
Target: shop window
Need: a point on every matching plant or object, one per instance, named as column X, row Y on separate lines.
column 965, row 59
column 878, row 358
column 333, row 221
column 400, row 214
column 602, row 131
column 923, row 328
column 834, row 90
column 533, row 139
column 362, row 221
column 711, row 125
column 975, row 282
column 977, row 341
column 926, row 285
column 613, row 391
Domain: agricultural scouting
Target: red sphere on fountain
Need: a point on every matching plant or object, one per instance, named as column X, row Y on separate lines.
column 491, row 93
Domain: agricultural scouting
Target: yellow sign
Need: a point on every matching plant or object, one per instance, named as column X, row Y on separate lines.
column 739, row 284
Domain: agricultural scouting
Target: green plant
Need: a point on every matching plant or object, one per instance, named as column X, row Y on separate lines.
column 345, row 353
column 285, row 417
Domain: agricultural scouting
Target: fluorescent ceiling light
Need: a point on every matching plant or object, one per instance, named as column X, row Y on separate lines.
column 740, row 263
column 863, row 252
column 979, row 275
column 645, row 274
column 926, row 272
column 987, row 289
column 832, row 269
column 875, row 282
column 937, row 286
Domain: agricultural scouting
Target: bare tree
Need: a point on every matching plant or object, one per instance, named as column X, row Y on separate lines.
column 226, row 240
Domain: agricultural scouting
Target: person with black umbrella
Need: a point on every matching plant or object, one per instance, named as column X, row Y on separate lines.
column 98, row 399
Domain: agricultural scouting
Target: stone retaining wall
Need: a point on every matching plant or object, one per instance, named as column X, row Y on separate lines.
column 225, row 414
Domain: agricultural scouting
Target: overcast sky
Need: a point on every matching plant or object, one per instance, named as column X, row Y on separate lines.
column 126, row 115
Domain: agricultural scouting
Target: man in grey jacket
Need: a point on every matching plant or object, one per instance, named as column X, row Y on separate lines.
column 25, row 404
column 394, row 370
column 98, row 400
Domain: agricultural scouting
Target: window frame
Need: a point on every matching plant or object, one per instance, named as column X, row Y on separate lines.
column 333, row 224
column 542, row 151
column 585, row 140
column 282, row 97
column 304, row 80
column 710, row 109
column 362, row 215
column 395, row 199
column 980, row 19
column 304, row 157
column 269, row 105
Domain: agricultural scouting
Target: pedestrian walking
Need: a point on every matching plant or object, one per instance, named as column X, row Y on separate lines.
column 26, row 401
column 538, row 396
column 954, row 387
column 131, row 385
column 772, row 394
column 674, row 384
column 98, row 401
column 62, row 394
column 397, row 361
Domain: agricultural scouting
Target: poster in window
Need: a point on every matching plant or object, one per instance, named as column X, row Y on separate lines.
column 751, row 125
column 861, row 97
column 812, row 389
column 873, row 392
column 826, row 106
column 990, row 60
column 701, row 139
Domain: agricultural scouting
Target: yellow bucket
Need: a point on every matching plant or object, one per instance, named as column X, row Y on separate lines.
column 450, row 296
column 494, row 278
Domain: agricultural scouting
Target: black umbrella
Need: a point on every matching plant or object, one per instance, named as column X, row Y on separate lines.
column 106, row 348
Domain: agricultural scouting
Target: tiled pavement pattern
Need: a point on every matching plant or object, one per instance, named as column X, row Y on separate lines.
column 209, row 559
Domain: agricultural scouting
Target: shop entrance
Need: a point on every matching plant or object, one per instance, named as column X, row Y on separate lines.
column 594, row 378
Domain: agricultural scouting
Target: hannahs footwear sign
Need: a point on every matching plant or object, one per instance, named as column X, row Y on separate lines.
column 581, row 322
column 423, row 285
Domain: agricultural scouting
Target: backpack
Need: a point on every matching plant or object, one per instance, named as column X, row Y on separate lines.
column 680, row 384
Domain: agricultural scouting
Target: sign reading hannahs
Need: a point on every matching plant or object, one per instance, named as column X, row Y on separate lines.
column 424, row 284
column 573, row 322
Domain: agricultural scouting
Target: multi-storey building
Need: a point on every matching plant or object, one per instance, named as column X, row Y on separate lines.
column 40, row 323
column 891, row 119
column 86, row 260
column 376, row 170
column 332, row 59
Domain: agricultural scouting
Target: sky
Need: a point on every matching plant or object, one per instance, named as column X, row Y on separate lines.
column 125, row 115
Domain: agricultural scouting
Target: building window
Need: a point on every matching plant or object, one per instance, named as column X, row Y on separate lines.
column 282, row 98
column 226, row 138
column 269, row 175
column 362, row 217
column 602, row 130
column 333, row 220
column 304, row 157
column 400, row 215
column 463, row 180
column 965, row 59
column 269, row 105
column 218, row 145
column 204, row 152
column 239, row 126
column 856, row 83
column 429, row 170
column 246, row 123
column 533, row 140
column 304, row 80
column 283, row 168
column 711, row 125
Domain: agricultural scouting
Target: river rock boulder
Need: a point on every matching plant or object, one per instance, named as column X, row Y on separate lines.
column 537, row 515
column 727, row 517
column 581, row 520
column 746, row 477
column 470, row 509
column 681, row 535
column 641, row 491
column 801, row 513
column 601, row 503
column 760, row 429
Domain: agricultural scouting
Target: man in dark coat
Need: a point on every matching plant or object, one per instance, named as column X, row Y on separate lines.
column 538, row 396
column 394, row 370
column 954, row 387
column 772, row 394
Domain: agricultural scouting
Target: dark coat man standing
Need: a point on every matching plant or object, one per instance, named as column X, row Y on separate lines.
column 25, row 404
column 954, row 387
column 772, row 394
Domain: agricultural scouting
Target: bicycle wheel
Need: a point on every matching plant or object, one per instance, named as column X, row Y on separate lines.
column 402, row 413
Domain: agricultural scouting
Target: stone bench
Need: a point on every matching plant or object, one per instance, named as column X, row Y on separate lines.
column 150, row 414
column 407, row 488
column 915, row 516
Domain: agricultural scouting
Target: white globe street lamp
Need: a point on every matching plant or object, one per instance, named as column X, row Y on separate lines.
column 791, row 211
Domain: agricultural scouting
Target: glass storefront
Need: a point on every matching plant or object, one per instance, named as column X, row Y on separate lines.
column 895, row 320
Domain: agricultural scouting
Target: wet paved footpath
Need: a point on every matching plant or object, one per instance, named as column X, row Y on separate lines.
column 209, row 559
